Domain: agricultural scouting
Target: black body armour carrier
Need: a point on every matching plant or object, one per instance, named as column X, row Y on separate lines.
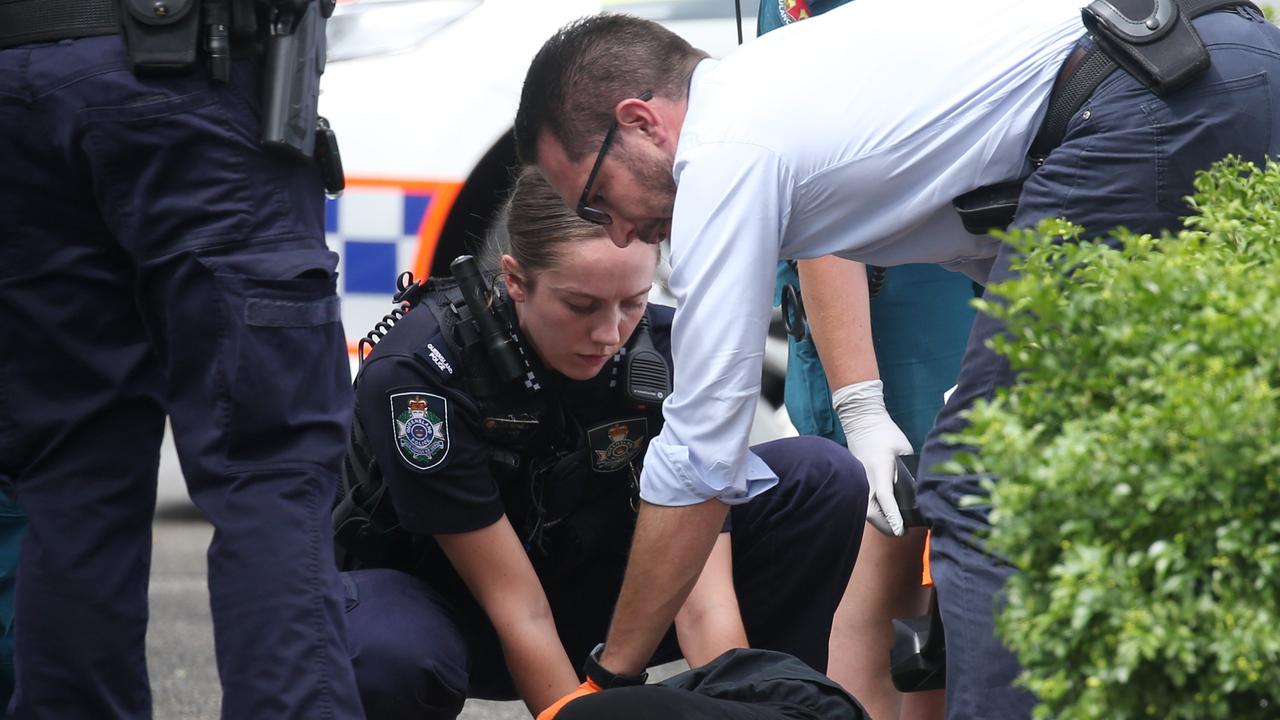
column 537, row 450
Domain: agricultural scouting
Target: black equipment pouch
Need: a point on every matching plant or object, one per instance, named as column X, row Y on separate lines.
column 329, row 159
column 162, row 35
column 366, row 530
column 1151, row 39
column 989, row 207
column 918, row 658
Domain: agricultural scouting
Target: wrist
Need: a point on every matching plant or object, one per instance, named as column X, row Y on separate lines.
column 859, row 393
column 859, row 404
column 598, row 674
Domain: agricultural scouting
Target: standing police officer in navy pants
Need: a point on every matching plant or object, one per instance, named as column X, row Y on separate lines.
column 156, row 258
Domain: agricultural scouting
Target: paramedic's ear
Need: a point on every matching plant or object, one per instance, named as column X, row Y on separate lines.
column 648, row 115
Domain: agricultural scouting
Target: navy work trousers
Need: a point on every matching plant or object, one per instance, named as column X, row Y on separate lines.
column 155, row 259
column 1128, row 159
column 419, row 656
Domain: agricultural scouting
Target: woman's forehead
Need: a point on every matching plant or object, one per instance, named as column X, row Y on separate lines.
column 601, row 269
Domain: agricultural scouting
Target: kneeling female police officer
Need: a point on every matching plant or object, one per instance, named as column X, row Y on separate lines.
column 491, row 486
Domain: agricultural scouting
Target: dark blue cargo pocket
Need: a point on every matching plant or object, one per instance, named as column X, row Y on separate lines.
column 282, row 352
column 1205, row 123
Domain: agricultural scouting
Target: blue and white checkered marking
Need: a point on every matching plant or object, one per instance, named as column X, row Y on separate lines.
column 375, row 233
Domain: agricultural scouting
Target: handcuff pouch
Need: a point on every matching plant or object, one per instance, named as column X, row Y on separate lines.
column 1151, row 39
column 161, row 34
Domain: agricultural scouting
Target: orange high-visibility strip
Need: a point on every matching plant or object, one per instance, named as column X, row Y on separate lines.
column 926, row 577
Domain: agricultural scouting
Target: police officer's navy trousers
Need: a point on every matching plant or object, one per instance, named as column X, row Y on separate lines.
column 417, row 655
column 1128, row 159
column 154, row 258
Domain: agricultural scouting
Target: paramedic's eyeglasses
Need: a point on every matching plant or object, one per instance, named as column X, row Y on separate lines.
column 585, row 211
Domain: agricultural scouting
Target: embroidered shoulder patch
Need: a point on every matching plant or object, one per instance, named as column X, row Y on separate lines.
column 438, row 358
column 616, row 443
column 421, row 424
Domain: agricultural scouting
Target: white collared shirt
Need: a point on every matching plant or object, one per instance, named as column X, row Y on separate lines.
column 847, row 134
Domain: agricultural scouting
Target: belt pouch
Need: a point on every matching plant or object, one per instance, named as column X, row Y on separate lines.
column 1151, row 39
column 990, row 207
column 161, row 34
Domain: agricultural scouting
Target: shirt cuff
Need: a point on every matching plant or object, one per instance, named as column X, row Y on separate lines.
column 669, row 478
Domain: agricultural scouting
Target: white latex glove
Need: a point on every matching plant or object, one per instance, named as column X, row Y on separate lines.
column 877, row 442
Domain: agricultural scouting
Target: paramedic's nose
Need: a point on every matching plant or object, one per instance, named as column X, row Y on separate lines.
column 621, row 232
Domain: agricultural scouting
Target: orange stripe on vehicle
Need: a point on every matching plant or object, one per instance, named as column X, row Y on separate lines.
column 432, row 224
column 443, row 194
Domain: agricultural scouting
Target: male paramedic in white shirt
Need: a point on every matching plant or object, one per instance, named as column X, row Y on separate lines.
column 646, row 135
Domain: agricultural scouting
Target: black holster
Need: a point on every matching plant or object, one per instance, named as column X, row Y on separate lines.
column 990, row 207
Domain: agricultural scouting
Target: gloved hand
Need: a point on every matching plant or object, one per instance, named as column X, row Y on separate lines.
column 877, row 442
column 554, row 708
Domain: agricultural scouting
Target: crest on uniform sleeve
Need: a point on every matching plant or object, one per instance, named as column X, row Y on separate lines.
column 793, row 10
column 421, row 424
column 616, row 443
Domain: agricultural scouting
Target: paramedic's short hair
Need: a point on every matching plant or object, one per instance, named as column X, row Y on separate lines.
column 587, row 68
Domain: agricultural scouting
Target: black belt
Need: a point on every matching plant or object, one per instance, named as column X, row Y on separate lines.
column 23, row 22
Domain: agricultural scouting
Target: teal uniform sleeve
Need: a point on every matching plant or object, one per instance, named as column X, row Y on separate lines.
column 920, row 322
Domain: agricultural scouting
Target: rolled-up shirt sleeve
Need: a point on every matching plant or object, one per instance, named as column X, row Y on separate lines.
column 729, row 218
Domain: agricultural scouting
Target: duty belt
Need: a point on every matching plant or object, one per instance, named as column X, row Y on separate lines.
column 1132, row 43
column 23, row 22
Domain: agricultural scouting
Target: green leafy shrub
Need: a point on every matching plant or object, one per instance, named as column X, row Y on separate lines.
column 1139, row 462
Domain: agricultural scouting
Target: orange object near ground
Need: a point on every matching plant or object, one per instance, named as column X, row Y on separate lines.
column 554, row 709
column 926, row 577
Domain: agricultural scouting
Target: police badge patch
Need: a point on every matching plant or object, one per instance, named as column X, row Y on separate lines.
column 421, row 424
column 616, row 443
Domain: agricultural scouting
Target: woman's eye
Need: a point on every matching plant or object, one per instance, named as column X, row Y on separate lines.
column 581, row 309
column 635, row 306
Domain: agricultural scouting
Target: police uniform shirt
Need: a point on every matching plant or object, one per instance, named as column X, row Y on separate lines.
column 427, row 433
column 932, row 99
